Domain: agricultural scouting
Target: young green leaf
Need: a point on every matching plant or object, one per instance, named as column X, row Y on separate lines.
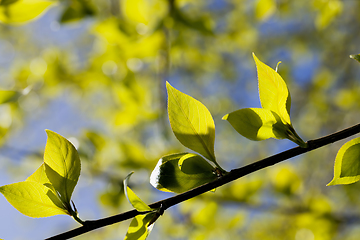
column 21, row 11
column 167, row 175
column 191, row 123
column 274, row 94
column 33, row 199
column 39, row 176
column 139, row 227
column 134, row 200
column 347, row 164
column 257, row 123
column 62, row 165
column 273, row 120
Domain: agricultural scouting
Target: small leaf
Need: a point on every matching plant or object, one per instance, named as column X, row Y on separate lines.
column 347, row 163
column 139, row 227
column 21, row 11
column 273, row 120
column 134, row 200
column 33, row 199
column 191, row 123
column 274, row 94
column 62, row 165
column 168, row 177
column 356, row 57
column 257, row 124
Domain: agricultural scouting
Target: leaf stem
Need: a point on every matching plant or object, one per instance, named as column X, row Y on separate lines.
column 231, row 176
column 75, row 215
column 223, row 171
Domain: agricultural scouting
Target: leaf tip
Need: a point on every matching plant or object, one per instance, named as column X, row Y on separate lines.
column 277, row 66
column 169, row 87
column 126, row 180
column 332, row 183
column 355, row 56
column 225, row 117
column 254, row 56
column 168, row 84
column 49, row 132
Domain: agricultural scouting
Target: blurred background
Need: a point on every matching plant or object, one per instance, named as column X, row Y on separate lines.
column 94, row 71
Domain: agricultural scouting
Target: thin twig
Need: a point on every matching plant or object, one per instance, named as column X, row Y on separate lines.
column 231, row 176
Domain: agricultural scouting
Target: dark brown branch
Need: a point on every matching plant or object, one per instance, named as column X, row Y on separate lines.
column 231, row 176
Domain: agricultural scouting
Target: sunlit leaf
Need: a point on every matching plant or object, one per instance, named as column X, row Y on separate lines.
column 257, row 123
column 191, row 122
column 33, row 199
column 347, row 163
column 168, row 177
column 274, row 94
column 134, row 200
column 62, row 165
column 139, row 227
column 273, row 120
column 22, row 11
column 39, row 176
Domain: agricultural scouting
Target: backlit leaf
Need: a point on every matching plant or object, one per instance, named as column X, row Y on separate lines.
column 134, row 200
column 62, row 165
column 274, row 94
column 22, row 11
column 273, row 120
column 139, row 227
column 257, row 123
column 347, row 163
column 191, row 122
column 168, row 177
column 33, row 199
column 39, row 175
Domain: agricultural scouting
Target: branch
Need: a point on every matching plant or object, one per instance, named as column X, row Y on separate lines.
column 231, row 176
